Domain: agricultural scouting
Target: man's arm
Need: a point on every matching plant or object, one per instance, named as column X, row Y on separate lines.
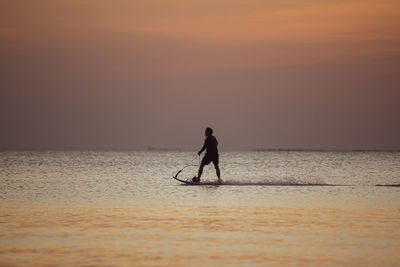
column 203, row 148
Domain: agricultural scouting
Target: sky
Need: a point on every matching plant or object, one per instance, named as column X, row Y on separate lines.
column 97, row 74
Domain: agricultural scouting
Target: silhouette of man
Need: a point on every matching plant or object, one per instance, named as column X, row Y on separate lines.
column 210, row 145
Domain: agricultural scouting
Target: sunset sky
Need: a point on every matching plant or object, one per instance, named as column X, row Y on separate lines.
column 126, row 74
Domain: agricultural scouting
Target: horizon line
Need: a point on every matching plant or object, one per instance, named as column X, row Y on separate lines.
column 221, row 150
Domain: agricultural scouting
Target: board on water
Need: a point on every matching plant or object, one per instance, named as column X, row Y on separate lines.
column 188, row 182
column 261, row 183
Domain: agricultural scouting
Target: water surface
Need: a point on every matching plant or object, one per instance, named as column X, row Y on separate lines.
column 124, row 208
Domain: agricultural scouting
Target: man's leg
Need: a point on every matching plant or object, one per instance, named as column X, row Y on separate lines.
column 218, row 172
column 200, row 170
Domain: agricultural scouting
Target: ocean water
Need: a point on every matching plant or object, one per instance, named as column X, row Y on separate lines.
column 107, row 208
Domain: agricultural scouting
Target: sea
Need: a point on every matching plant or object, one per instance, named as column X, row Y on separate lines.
column 274, row 208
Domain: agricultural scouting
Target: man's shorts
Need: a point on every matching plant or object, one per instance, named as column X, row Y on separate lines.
column 208, row 158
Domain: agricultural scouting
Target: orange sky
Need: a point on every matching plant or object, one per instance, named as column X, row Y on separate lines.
column 264, row 74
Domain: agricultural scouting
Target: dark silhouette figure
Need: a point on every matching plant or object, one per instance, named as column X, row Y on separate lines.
column 210, row 145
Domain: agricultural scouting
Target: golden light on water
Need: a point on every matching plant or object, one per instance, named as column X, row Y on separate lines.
column 199, row 235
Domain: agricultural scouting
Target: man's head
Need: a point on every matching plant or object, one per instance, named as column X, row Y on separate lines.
column 208, row 132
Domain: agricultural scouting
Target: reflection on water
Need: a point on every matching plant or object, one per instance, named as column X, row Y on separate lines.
column 124, row 208
column 197, row 235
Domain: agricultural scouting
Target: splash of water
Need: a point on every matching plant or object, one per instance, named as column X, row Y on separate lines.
column 288, row 181
column 279, row 182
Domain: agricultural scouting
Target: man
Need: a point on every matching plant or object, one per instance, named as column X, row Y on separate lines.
column 210, row 145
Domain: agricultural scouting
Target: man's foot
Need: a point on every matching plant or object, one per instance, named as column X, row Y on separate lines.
column 220, row 181
column 196, row 179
